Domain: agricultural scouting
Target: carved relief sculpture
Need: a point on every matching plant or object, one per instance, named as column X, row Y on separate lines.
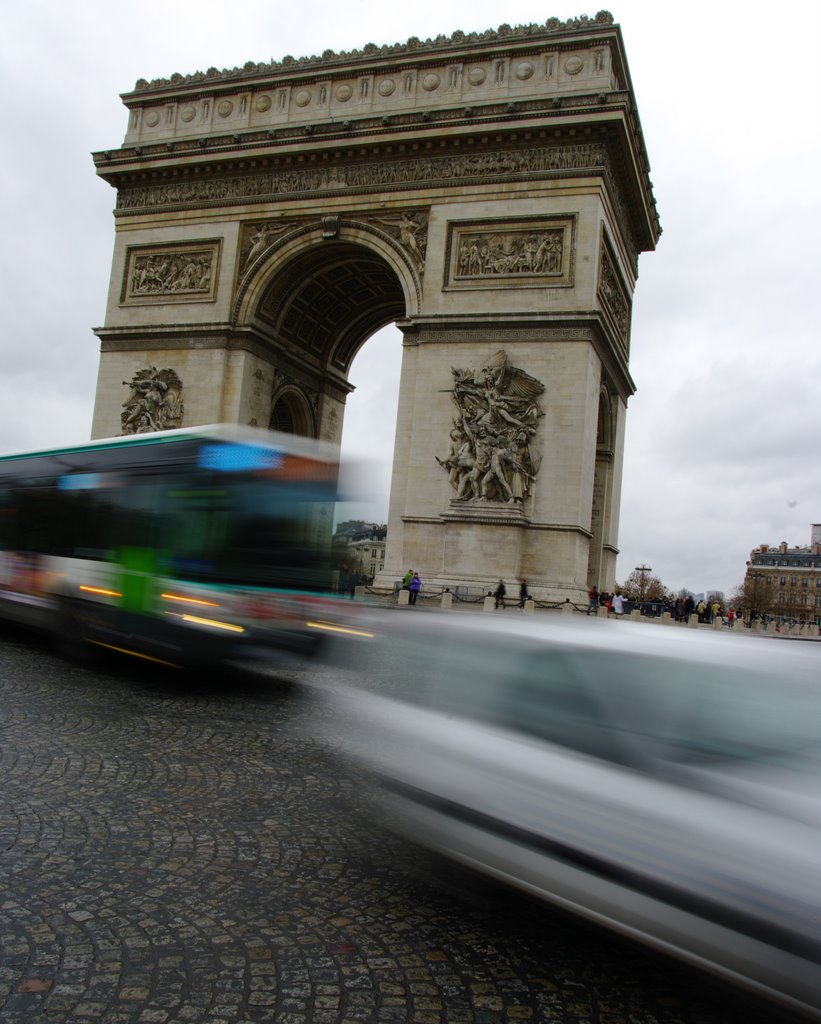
column 171, row 273
column 612, row 294
column 256, row 238
column 154, row 403
column 412, row 231
column 510, row 253
column 533, row 252
column 491, row 456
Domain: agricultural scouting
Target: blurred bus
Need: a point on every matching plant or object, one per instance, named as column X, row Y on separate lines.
column 182, row 546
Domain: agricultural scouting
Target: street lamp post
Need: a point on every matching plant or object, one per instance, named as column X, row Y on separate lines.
column 642, row 570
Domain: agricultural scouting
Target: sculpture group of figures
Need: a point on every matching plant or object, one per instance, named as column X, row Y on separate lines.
column 155, row 402
column 160, row 274
column 491, row 457
column 518, row 254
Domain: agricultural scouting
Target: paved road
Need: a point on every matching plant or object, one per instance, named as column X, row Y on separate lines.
column 172, row 852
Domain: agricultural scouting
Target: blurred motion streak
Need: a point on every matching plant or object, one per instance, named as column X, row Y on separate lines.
column 664, row 783
column 100, row 541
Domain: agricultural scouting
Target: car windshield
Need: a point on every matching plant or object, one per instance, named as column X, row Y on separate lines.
column 623, row 707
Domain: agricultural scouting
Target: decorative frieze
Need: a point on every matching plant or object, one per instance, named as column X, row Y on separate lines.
column 154, row 402
column 491, row 458
column 184, row 272
column 421, row 171
column 536, row 252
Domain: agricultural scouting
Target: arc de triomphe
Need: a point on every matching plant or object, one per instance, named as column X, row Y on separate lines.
column 488, row 192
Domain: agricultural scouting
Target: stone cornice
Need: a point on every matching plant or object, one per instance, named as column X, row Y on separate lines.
column 552, row 30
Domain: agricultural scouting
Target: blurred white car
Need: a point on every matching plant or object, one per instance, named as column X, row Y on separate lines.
column 660, row 781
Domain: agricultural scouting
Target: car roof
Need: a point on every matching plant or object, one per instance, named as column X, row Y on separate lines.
column 640, row 639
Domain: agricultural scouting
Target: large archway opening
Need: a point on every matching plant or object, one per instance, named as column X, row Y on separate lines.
column 329, row 312
column 369, row 432
column 325, row 302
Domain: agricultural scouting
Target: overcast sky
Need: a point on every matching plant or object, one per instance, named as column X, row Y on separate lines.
column 723, row 434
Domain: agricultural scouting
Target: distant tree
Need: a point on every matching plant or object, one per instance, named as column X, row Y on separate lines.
column 757, row 594
column 640, row 586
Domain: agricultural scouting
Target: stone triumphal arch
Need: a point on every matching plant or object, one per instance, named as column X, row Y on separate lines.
column 487, row 192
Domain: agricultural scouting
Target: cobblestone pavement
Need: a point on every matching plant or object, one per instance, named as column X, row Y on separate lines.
column 171, row 852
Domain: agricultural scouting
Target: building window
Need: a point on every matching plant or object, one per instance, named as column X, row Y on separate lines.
column 782, row 597
column 804, row 582
column 782, row 580
column 793, row 581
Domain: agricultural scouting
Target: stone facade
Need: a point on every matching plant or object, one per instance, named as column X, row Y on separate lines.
column 488, row 192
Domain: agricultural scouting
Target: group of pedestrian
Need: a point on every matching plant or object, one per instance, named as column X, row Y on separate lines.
column 500, row 593
column 602, row 599
column 413, row 584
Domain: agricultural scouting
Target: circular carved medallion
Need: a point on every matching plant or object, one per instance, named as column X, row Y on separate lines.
column 187, row 114
column 302, row 98
column 344, row 93
column 263, row 103
column 476, row 76
column 152, row 118
column 225, row 108
column 525, row 70
column 430, row 83
column 386, row 86
column 573, row 65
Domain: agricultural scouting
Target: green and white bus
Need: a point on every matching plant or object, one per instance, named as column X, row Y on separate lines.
column 183, row 546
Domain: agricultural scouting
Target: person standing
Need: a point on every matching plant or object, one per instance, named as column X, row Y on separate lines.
column 406, row 579
column 592, row 600
column 618, row 604
column 414, row 586
column 499, row 594
column 523, row 594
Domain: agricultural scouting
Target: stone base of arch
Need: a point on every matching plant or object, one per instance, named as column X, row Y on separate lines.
column 476, row 555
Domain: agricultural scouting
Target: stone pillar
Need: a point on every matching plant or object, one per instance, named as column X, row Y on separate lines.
column 447, row 600
column 693, row 620
column 635, row 615
column 567, row 608
column 490, row 604
column 404, row 597
column 529, row 606
column 666, row 619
